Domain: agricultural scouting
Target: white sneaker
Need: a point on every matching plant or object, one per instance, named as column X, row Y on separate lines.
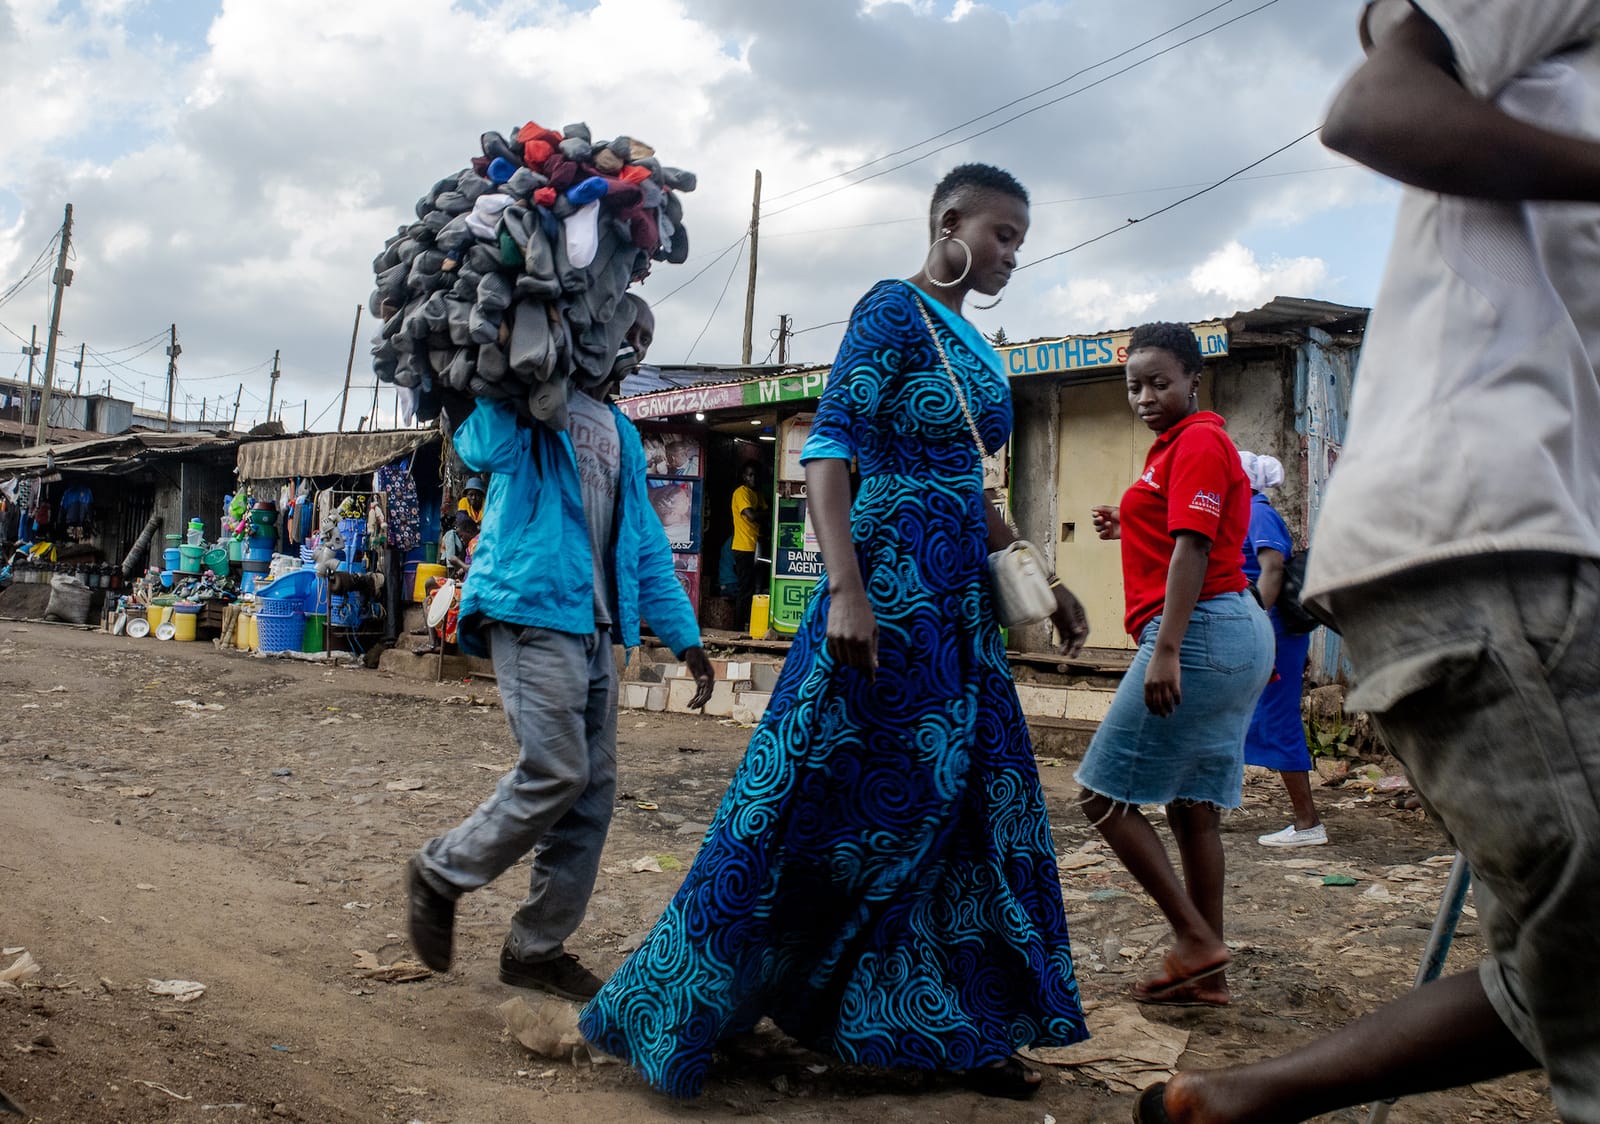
column 1289, row 837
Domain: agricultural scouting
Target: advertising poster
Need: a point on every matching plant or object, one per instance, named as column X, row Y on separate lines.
column 677, row 505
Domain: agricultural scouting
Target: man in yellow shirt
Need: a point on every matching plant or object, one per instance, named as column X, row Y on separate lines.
column 749, row 516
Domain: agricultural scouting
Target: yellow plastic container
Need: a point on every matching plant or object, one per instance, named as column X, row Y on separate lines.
column 154, row 614
column 241, row 631
column 184, row 625
column 426, row 572
column 760, row 615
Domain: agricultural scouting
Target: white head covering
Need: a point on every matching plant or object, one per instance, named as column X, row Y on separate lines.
column 1264, row 471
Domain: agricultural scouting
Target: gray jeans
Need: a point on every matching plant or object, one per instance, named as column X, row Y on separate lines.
column 559, row 691
column 1484, row 677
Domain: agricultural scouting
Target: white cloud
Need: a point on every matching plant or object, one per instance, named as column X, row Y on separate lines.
column 1230, row 279
column 1234, row 274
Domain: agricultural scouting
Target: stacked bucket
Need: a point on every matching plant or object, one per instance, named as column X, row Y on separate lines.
column 258, row 548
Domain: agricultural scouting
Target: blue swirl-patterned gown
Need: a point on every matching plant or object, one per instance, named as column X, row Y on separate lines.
column 879, row 878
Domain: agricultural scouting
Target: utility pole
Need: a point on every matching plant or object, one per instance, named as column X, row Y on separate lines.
column 305, row 410
column 272, row 389
column 234, row 424
column 173, row 351
column 348, row 367
column 77, row 387
column 62, row 279
column 785, row 330
column 372, row 414
column 31, row 351
column 750, row 291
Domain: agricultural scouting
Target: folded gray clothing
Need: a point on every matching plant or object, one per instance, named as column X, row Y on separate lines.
column 494, row 292
column 523, row 183
column 483, row 326
column 406, row 373
column 439, row 358
column 678, row 179
column 458, row 375
column 548, row 401
column 452, row 203
column 435, row 313
column 482, row 258
column 576, row 149
column 680, row 246
column 407, row 250
column 538, row 289
column 436, row 221
column 480, row 387
column 465, row 287
column 458, row 315
column 577, row 129
column 471, row 185
column 455, row 233
column 492, row 363
column 392, row 282
column 531, row 354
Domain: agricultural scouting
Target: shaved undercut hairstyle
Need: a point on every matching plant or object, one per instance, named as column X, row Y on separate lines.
column 966, row 182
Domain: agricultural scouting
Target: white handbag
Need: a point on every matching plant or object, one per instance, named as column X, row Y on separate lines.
column 1018, row 577
column 1021, row 585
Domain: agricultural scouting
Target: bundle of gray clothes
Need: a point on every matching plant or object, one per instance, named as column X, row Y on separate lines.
column 510, row 283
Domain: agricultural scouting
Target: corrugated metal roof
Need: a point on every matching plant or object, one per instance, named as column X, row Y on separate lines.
column 119, row 454
column 328, row 454
column 1296, row 312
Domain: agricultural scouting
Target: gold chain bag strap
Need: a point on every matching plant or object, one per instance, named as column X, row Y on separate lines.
column 1018, row 576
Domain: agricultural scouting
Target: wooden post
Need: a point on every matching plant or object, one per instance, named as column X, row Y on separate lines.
column 173, row 351
column 62, row 279
column 348, row 367
column 750, row 290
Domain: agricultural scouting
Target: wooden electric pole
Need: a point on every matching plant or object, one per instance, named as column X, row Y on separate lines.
column 750, row 290
column 77, row 387
column 272, row 389
column 173, row 351
column 31, row 351
column 234, row 424
column 62, row 279
column 348, row 367
column 785, row 330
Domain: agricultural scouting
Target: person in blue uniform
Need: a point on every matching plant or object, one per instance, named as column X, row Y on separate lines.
column 1277, row 737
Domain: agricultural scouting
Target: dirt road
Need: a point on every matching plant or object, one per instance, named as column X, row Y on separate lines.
column 168, row 811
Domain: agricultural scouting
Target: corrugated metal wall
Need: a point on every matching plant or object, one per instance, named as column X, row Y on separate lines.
column 1325, row 374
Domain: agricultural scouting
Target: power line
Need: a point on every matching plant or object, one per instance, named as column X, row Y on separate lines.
column 1176, row 203
column 738, row 242
column 1026, row 112
column 1073, row 199
column 718, row 305
column 1001, row 108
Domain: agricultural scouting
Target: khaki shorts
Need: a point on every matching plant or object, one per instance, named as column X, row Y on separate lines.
column 1484, row 678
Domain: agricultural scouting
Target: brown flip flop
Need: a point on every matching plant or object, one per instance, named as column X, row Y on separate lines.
column 1154, row 991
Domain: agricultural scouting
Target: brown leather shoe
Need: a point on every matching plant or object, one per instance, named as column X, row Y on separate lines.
column 564, row 976
column 431, row 918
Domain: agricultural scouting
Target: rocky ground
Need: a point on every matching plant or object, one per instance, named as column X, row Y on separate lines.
column 172, row 812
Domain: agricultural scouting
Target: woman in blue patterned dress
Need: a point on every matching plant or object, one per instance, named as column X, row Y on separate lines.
column 880, row 878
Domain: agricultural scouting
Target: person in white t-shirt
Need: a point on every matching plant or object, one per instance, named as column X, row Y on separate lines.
column 1470, row 599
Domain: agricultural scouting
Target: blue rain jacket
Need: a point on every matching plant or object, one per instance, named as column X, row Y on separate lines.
column 533, row 564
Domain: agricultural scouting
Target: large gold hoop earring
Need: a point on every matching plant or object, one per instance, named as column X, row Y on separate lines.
column 948, row 237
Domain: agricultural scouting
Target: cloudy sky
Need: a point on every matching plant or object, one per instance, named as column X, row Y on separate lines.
column 235, row 166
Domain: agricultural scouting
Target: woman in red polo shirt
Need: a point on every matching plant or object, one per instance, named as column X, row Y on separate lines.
column 1175, row 732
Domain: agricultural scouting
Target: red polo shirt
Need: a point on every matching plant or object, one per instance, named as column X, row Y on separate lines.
column 1192, row 481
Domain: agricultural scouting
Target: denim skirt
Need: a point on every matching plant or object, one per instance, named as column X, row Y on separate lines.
column 1196, row 753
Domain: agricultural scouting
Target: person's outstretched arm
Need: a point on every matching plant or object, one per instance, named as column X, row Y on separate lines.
column 1407, row 114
